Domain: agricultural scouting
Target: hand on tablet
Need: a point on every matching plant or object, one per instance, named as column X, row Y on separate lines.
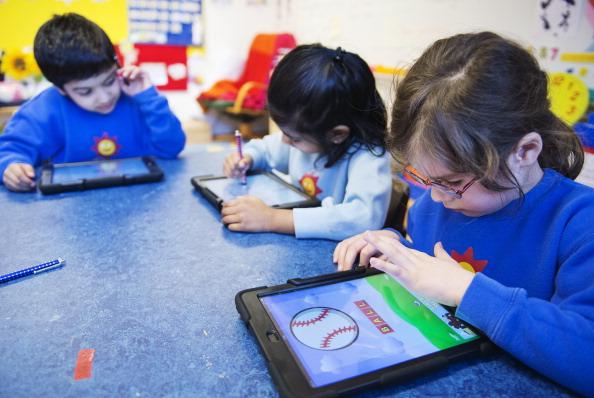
column 347, row 251
column 19, row 177
column 439, row 278
column 133, row 80
column 250, row 214
column 235, row 167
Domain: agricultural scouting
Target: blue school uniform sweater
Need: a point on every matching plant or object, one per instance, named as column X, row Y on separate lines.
column 533, row 294
column 355, row 191
column 52, row 127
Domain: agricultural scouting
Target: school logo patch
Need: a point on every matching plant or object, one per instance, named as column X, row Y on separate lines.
column 309, row 183
column 467, row 260
column 105, row 145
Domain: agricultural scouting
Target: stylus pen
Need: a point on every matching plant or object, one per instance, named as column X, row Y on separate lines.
column 240, row 152
column 32, row 270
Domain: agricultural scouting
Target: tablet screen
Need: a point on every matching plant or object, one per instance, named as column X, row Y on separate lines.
column 262, row 186
column 108, row 168
column 343, row 330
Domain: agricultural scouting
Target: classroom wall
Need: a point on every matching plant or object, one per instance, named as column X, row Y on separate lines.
column 229, row 27
column 391, row 33
column 394, row 32
column 388, row 32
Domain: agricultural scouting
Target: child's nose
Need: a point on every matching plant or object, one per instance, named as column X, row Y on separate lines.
column 103, row 96
column 439, row 196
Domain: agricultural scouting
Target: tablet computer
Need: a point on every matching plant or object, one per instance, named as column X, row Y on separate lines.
column 64, row 177
column 270, row 188
column 340, row 332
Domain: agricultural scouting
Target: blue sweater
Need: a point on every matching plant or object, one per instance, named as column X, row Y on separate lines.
column 355, row 191
column 52, row 127
column 534, row 295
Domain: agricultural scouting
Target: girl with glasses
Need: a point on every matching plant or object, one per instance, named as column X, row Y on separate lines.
column 504, row 233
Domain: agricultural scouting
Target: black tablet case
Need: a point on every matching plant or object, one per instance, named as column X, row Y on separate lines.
column 47, row 187
column 287, row 376
column 307, row 201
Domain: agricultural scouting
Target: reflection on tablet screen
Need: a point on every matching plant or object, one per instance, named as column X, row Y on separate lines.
column 260, row 185
column 347, row 329
column 108, row 168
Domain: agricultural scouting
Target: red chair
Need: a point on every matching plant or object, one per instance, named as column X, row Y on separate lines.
column 245, row 99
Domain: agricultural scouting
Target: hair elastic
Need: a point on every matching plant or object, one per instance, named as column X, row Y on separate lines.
column 338, row 56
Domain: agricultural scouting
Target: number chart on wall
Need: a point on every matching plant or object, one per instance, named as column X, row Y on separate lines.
column 165, row 21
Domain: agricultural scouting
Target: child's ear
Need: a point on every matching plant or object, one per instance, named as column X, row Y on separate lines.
column 527, row 150
column 61, row 91
column 338, row 134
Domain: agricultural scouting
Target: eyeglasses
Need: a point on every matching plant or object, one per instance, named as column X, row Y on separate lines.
column 418, row 177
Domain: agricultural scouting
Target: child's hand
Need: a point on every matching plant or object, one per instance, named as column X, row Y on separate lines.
column 133, row 80
column 235, row 167
column 439, row 278
column 346, row 252
column 247, row 213
column 19, row 177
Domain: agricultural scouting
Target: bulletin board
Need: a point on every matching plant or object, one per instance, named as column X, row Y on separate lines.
column 173, row 22
column 154, row 34
column 20, row 19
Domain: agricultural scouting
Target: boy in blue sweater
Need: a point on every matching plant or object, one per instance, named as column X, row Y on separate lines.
column 95, row 110
column 504, row 233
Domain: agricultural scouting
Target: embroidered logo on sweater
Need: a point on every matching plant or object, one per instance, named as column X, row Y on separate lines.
column 105, row 145
column 309, row 182
column 467, row 260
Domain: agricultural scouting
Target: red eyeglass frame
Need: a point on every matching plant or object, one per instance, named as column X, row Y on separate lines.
column 428, row 182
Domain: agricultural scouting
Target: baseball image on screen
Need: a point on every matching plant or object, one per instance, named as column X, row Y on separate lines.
column 342, row 330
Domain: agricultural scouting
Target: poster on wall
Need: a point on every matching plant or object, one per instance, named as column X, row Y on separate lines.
column 172, row 22
column 165, row 64
column 559, row 18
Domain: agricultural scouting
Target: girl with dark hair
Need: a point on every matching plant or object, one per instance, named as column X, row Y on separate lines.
column 504, row 233
column 332, row 145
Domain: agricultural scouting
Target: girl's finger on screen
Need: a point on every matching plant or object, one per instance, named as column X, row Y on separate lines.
column 386, row 266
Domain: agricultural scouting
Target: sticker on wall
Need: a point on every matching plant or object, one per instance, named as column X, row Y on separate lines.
column 587, row 57
column 559, row 18
column 590, row 11
column 568, row 95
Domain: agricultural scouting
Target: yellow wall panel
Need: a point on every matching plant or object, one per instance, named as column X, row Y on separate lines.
column 20, row 19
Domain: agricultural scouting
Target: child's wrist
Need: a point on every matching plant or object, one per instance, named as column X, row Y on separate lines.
column 274, row 218
column 462, row 286
column 281, row 221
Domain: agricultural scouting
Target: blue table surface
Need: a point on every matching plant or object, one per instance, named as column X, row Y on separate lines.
column 149, row 284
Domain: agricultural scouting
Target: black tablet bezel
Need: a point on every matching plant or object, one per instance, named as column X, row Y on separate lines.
column 286, row 371
column 199, row 184
column 47, row 186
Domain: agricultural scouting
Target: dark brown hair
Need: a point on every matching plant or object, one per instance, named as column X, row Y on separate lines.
column 314, row 89
column 70, row 47
column 468, row 100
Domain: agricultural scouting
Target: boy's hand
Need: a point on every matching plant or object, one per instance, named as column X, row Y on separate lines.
column 347, row 251
column 235, row 167
column 133, row 80
column 19, row 177
column 439, row 278
column 250, row 214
